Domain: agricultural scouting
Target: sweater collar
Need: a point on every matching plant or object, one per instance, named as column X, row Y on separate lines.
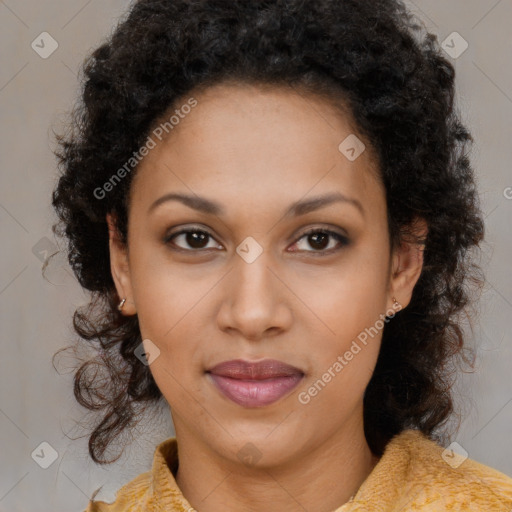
column 163, row 472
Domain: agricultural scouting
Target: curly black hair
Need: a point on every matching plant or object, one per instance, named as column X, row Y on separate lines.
column 373, row 56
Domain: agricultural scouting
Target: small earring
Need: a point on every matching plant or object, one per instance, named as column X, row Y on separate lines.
column 121, row 304
column 396, row 303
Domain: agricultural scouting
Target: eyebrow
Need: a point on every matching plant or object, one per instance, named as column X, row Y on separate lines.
column 297, row 208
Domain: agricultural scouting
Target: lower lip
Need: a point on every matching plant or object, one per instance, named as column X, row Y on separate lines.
column 255, row 393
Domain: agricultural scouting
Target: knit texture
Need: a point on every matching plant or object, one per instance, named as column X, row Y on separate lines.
column 411, row 475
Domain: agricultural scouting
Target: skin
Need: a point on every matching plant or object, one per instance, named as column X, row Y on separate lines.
column 256, row 151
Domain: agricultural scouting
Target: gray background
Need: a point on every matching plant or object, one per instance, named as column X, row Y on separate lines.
column 36, row 403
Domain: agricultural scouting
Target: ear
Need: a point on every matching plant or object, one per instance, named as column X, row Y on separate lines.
column 407, row 264
column 119, row 266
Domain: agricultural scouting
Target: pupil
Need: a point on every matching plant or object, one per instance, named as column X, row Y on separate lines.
column 324, row 242
column 196, row 239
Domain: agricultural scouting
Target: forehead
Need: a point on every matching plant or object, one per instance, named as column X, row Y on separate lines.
column 260, row 144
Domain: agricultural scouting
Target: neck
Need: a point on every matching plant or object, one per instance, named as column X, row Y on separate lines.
column 320, row 479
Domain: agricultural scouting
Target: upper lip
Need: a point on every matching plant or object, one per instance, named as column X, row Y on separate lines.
column 256, row 370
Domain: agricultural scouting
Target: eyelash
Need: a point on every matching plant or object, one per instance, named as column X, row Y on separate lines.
column 343, row 240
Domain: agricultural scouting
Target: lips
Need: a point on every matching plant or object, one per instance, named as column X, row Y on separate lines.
column 248, row 370
column 255, row 384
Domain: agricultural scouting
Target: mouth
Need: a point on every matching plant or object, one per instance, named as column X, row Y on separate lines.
column 254, row 384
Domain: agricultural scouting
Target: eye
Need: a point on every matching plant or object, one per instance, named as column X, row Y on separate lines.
column 320, row 240
column 194, row 237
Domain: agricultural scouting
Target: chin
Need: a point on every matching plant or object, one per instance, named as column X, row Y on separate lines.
column 261, row 449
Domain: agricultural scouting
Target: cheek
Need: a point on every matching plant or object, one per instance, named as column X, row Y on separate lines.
column 169, row 309
column 341, row 305
column 336, row 393
column 165, row 294
column 345, row 317
column 342, row 365
column 178, row 369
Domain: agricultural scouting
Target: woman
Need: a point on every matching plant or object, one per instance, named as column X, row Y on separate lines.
column 273, row 206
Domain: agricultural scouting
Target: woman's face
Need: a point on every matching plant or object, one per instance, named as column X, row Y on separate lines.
column 257, row 286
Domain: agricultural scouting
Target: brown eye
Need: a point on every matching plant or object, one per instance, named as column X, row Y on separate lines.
column 320, row 239
column 193, row 239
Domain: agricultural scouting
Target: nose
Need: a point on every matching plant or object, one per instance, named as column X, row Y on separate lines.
column 254, row 300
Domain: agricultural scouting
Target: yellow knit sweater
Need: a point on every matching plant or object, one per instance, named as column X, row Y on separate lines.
column 413, row 474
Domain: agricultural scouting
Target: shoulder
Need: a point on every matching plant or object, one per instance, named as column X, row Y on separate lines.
column 415, row 474
column 444, row 479
column 152, row 491
column 132, row 497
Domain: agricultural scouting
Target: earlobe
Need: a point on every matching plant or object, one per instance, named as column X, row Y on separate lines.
column 120, row 268
column 408, row 263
